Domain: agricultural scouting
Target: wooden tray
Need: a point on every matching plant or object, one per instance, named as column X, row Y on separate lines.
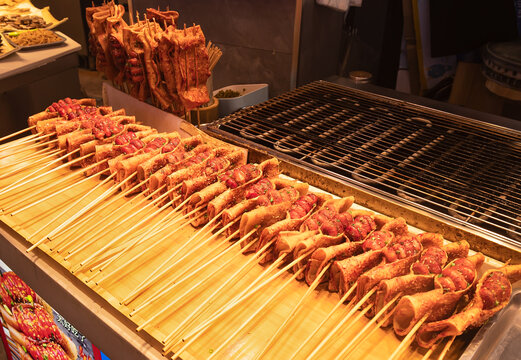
column 245, row 344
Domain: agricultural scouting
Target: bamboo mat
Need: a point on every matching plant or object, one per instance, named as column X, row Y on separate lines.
column 244, row 345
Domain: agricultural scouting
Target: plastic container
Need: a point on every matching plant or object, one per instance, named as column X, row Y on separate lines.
column 250, row 94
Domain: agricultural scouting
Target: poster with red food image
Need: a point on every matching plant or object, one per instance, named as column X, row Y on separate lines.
column 32, row 330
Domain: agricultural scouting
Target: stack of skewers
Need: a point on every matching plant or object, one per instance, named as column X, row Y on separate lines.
column 430, row 291
column 151, row 58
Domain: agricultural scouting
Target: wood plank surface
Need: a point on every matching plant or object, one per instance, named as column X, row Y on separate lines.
column 38, row 220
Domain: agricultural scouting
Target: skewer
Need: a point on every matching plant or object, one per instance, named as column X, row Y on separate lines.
column 342, row 322
column 120, row 236
column 28, row 178
column 248, row 320
column 170, row 340
column 208, row 300
column 92, row 236
column 293, row 311
column 245, row 294
column 328, row 316
column 138, row 240
column 28, row 159
column 446, row 348
column 56, row 230
column 17, row 133
column 28, row 147
column 179, row 279
column 356, row 340
column 154, row 276
column 188, row 242
column 61, row 190
column 19, row 142
column 409, row 337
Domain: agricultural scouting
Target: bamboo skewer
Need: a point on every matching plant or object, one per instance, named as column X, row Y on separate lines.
column 69, row 220
column 28, row 178
column 86, row 261
column 17, row 133
column 67, row 177
column 151, row 279
column 262, row 307
column 293, row 311
column 356, row 340
column 93, row 236
column 19, row 142
column 446, row 348
column 172, row 256
column 341, row 323
column 328, row 316
column 29, row 147
column 28, row 159
column 208, row 300
column 409, row 338
column 138, row 240
column 170, row 340
column 167, row 287
column 245, row 294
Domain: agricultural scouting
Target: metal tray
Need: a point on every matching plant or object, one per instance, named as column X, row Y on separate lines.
column 499, row 337
column 38, row 46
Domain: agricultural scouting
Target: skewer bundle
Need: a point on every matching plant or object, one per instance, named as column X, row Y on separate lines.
column 151, row 58
column 322, row 240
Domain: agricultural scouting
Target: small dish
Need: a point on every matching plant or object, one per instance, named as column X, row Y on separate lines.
column 37, row 46
column 250, row 94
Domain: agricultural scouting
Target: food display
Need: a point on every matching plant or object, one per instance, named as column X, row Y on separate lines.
column 151, row 58
column 31, row 323
column 22, row 22
column 34, row 37
column 425, row 288
column 23, row 15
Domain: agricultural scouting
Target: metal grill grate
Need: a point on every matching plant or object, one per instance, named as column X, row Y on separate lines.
column 452, row 165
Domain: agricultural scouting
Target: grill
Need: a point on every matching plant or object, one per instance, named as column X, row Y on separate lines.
column 455, row 167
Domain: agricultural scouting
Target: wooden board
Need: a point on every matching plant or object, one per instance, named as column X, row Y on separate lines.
column 38, row 220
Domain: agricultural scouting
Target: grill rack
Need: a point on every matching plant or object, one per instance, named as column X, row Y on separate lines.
column 457, row 167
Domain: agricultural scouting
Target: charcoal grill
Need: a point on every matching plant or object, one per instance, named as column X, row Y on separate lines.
column 458, row 168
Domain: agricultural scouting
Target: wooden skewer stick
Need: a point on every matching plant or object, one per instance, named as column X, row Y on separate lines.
column 208, row 300
column 170, row 340
column 356, row 340
column 341, row 323
column 429, row 352
column 185, row 244
column 151, row 279
column 17, row 133
column 25, row 147
column 92, row 236
column 54, row 193
column 328, row 316
column 32, row 163
column 251, row 289
column 28, row 178
column 138, row 240
column 86, row 261
column 252, row 316
column 19, row 142
column 409, row 338
column 71, row 219
column 293, row 311
column 446, row 348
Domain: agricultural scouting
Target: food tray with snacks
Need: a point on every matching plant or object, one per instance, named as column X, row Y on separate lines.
column 34, row 39
column 23, row 15
column 201, row 293
column 6, row 48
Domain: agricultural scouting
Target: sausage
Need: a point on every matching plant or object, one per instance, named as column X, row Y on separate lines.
column 361, row 227
column 495, row 290
column 376, row 241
